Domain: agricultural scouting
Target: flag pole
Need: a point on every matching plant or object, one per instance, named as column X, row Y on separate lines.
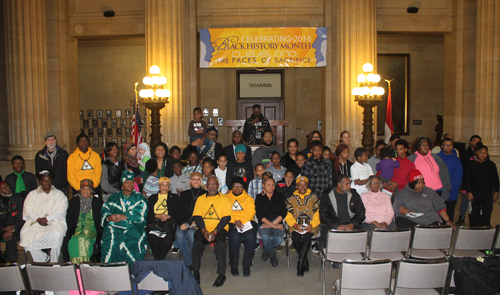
column 389, row 127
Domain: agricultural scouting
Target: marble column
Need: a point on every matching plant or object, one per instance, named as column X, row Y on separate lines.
column 487, row 123
column 26, row 63
column 357, row 45
column 164, row 48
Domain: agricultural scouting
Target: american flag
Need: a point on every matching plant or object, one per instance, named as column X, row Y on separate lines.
column 135, row 132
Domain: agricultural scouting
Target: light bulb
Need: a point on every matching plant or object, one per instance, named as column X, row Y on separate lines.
column 154, row 70
column 361, row 78
column 162, row 81
column 146, row 80
column 370, row 78
column 356, row 91
column 154, row 80
column 381, row 91
column 159, row 93
column 376, row 78
column 367, row 68
column 143, row 93
column 365, row 90
column 151, row 93
column 166, row 92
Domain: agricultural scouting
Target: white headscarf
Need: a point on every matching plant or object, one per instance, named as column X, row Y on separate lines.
column 147, row 152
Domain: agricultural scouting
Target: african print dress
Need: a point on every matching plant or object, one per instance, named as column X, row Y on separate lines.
column 303, row 209
column 81, row 245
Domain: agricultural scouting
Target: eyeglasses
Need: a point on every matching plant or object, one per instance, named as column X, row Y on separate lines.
column 237, row 185
column 373, row 182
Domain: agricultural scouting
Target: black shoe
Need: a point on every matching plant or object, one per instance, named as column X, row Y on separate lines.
column 246, row 271
column 175, row 251
column 219, row 282
column 196, row 276
column 274, row 260
column 265, row 256
column 305, row 264
column 300, row 269
column 191, row 268
column 461, row 220
column 335, row 265
column 234, row 271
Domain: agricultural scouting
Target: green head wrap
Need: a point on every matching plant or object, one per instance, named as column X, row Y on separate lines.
column 127, row 175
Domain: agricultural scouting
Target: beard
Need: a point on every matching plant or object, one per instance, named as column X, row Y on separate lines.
column 6, row 195
column 51, row 147
column 268, row 144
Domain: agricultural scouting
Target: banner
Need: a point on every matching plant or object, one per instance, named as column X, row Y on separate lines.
column 263, row 47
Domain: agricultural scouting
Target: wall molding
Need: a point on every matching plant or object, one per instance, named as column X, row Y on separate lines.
column 108, row 43
column 438, row 39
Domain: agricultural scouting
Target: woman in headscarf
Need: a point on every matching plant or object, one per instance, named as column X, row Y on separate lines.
column 123, row 218
column 130, row 157
column 83, row 238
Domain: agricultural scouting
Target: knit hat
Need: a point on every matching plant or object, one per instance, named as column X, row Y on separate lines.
column 240, row 148
column 415, row 174
column 127, row 175
column 212, row 128
column 162, row 179
column 49, row 134
column 87, row 183
column 3, row 183
column 240, row 180
column 81, row 136
column 302, row 178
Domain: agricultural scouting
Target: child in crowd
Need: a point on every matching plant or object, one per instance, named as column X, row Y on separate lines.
column 221, row 172
column 193, row 164
column 178, row 182
column 300, row 159
column 286, row 186
column 318, row 170
column 255, row 186
column 387, row 165
column 151, row 186
column 198, row 130
column 175, row 153
column 208, row 170
column 143, row 155
column 240, row 167
column 360, row 171
column 276, row 169
column 327, row 152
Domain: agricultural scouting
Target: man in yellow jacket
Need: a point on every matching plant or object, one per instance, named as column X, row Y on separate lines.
column 83, row 163
column 212, row 213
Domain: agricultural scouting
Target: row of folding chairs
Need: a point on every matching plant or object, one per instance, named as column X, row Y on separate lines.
column 375, row 277
column 423, row 242
column 108, row 277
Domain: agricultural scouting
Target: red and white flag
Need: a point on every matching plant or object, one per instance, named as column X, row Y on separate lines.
column 389, row 129
column 135, row 126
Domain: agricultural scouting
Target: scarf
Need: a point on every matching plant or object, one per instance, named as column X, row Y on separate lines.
column 161, row 204
column 147, row 152
column 20, row 187
column 85, row 204
column 131, row 161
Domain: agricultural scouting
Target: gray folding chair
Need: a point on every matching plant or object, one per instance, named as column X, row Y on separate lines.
column 153, row 282
column 420, row 276
column 364, row 277
column 342, row 245
column 52, row 276
column 472, row 239
column 11, row 278
column 497, row 238
column 389, row 244
column 431, row 241
column 108, row 277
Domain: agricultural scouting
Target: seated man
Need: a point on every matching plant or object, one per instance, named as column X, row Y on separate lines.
column 212, row 213
column 11, row 221
column 45, row 214
column 20, row 182
column 342, row 208
column 123, row 218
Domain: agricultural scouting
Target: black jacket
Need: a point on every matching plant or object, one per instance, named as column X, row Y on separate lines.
column 290, row 164
column 72, row 216
column 286, row 191
column 229, row 152
column 481, row 177
column 329, row 217
column 346, row 172
column 114, row 173
column 12, row 215
column 29, row 181
column 181, row 206
column 250, row 132
column 150, row 218
column 59, row 165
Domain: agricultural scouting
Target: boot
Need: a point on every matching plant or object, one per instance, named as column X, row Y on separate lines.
column 274, row 260
column 301, row 267
column 306, row 264
column 265, row 256
column 298, row 247
column 461, row 220
column 247, row 262
column 233, row 263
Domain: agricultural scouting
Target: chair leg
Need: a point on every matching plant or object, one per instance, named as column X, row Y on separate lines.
column 323, row 275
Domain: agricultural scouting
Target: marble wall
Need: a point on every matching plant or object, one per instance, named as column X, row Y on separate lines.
column 4, row 118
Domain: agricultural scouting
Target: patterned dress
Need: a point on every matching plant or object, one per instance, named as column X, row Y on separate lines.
column 303, row 209
column 81, row 245
column 124, row 240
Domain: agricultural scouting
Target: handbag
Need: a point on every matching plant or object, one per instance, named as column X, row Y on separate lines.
column 162, row 226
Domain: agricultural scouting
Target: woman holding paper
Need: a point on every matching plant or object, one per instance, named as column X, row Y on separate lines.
column 303, row 221
column 418, row 204
column 242, row 227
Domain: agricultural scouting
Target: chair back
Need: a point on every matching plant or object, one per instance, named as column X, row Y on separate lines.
column 475, row 238
column 390, row 240
column 343, row 241
column 11, row 278
column 432, row 237
column 365, row 274
column 109, row 277
column 497, row 239
column 422, row 274
column 153, row 282
column 52, row 276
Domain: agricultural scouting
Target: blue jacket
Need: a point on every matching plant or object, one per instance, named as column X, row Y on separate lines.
column 456, row 172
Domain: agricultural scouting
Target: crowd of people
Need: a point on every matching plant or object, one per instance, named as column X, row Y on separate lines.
column 162, row 199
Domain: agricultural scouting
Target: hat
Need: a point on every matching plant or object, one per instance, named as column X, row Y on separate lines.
column 195, row 137
column 87, row 183
column 212, row 128
column 162, row 179
column 49, row 134
column 240, row 180
column 415, row 174
column 3, row 183
column 302, row 178
column 127, row 175
column 42, row 173
column 240, row 148
column 81, row 136
column 196, row 173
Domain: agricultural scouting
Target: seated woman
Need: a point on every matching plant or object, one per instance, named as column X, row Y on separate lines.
column 303, row 221
column 123, row 218
column 378, row 207
column 242, row 227
column 83, row 238
column 161, row 225
column 112, row 169
column 270, row 210
column 418, row 204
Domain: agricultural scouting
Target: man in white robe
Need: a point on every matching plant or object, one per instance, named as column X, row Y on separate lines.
column 45, row 215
